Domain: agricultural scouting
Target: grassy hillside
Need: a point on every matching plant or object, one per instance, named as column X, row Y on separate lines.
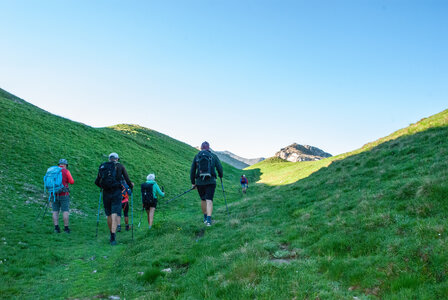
column 370, row 224
column 32, row 140
column 276, row 171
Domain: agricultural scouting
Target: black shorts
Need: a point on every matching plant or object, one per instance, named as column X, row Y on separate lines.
column 125, row 207
column 112, row 202
column 206, row 192
column 148, row 205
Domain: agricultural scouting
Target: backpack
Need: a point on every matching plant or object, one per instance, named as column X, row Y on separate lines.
column 204, row 165
column 148, row 194
column 125, row 189
column 53, row 180
column 108, row 176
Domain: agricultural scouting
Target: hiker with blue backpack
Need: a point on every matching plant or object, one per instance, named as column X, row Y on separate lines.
column 203, row 177
column 57, row 180
column 109, row 180
column 150, row 189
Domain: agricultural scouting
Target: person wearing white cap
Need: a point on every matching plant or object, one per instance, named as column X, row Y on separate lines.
column 150, row 189
column 109, row 180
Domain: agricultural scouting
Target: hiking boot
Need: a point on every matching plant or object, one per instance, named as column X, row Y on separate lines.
column 57, row 229
column 127, row 227
column 209, row 224
column 113, row 243
column 67, row 230
column 119, row 228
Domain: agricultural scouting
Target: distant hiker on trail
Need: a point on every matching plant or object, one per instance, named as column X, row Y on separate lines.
column 62, row 199
column 109, row 177
column 125, row 192
column 203, row 177
column 244, row 183
column 150, row 190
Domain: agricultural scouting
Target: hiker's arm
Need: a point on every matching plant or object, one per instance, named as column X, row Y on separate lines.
column 97, row 180
column 193, row 172
column 158, row 191
column 70, row 178
column 219, row 168
column 126, row 177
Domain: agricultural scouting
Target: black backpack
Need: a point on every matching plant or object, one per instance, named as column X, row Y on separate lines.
column 147, row 193
column 108, row 176
column 204, row 165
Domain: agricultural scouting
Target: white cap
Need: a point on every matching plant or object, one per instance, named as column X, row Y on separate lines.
column 113, row 155
column 151, row 177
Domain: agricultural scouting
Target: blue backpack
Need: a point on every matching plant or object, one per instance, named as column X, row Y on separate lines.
column 53, row 180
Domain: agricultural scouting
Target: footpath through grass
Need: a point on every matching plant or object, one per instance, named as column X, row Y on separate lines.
column 371, row 224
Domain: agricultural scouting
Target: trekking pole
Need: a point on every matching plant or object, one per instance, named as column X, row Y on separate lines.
column 132, row 214
column 224, row 193
column 141, row 214
column 98, row 216
column 46, row 208
column 41, row 209
column 179, row 196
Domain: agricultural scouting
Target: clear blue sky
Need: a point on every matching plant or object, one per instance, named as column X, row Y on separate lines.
column 248, row 76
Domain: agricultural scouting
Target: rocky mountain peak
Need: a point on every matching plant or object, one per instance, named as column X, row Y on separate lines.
column 297, row 152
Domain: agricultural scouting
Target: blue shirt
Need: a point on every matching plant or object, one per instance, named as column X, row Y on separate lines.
column 155, row 189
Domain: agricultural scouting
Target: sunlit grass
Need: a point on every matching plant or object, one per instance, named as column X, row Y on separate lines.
column 369, row 224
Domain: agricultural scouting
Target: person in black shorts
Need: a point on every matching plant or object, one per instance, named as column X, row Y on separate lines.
column 112, row 196
column 203, row 177
column 151, row 204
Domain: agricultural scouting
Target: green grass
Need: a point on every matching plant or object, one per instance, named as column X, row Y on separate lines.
column 276, row 171
column 367, row 224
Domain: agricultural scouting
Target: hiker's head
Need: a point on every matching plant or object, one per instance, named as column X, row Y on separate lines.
column 63, row 162
column 205, row 146
column 113, row 156
column 151, row 177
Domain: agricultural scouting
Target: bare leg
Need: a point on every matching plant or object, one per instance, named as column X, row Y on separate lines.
column 56, row 218
column 109, row 222
column 151, row 215
column 118, row 220
column 126, row 220
column 209, row 207
column 114, row 223
column 65, row 215
column 147, row 213
column 204, row 207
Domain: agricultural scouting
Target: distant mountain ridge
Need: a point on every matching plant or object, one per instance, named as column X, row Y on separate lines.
column 237, row 161
column 297, row 152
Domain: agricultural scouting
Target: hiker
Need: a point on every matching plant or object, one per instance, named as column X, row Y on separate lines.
column 244, row 183
column 203, row 177
column 125, row 192
column 109, row 177
column 150, row 189
column 62, row 199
